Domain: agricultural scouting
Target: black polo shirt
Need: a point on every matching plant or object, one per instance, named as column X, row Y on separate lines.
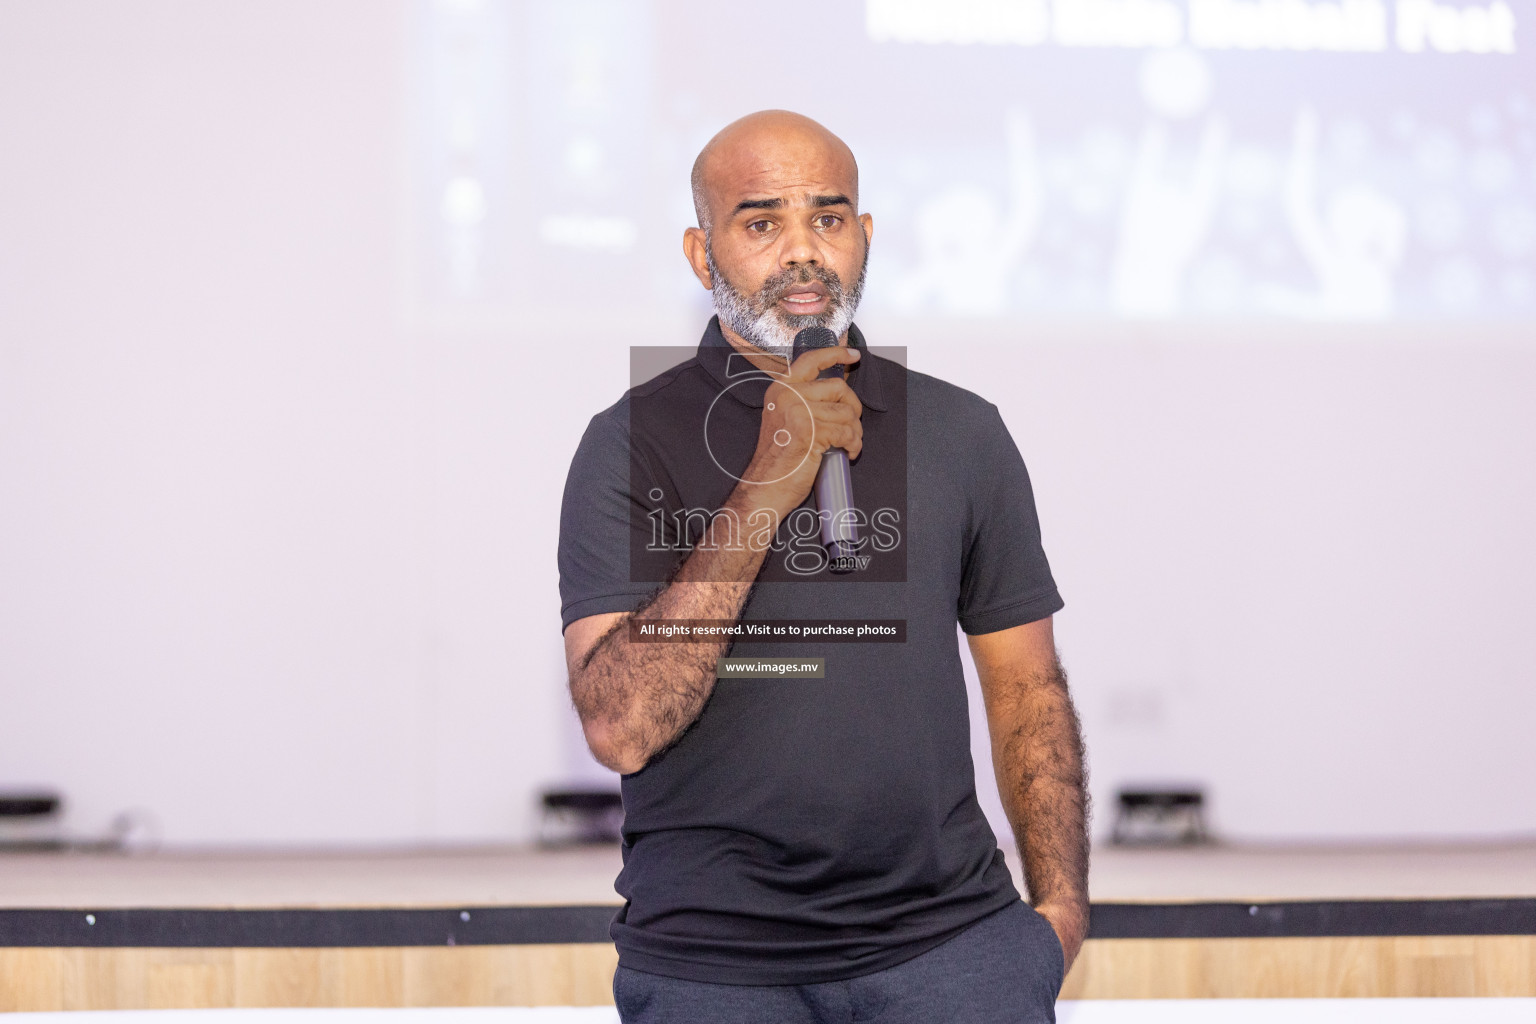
column 807, row 830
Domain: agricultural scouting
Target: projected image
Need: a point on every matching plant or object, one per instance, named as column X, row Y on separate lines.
column 1348, row 161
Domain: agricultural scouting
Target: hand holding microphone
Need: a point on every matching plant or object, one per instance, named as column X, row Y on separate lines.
column 804, row 416
column 810, row 430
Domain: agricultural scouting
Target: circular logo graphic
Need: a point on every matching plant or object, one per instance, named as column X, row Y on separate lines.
column 781, row 437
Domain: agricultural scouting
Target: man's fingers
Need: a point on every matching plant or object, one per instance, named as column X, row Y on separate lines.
column 821, row 413
column 838, row 435
column 810, row 364
column 836, row 427
column 830, row 390
column 834, row 412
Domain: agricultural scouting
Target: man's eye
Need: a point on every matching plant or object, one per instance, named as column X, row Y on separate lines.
column 827, row 220
column 760, row 226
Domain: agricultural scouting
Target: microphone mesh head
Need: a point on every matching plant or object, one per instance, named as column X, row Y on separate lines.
column 813, row 337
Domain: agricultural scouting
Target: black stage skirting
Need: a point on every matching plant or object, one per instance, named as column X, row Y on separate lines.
column 507, row 926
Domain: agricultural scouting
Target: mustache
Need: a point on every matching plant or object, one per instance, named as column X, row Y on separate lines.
column 781, row 283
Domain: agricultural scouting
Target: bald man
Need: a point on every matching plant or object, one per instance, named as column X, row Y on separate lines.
column 802, row 840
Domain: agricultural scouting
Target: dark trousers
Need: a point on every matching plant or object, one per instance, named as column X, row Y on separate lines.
column 1005, row 968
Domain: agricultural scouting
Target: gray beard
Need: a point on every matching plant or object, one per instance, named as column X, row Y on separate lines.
column 757, row 319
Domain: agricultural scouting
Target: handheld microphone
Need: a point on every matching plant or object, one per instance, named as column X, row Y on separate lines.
column 834, row 484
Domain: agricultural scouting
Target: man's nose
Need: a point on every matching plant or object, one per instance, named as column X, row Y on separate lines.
column 800, row 247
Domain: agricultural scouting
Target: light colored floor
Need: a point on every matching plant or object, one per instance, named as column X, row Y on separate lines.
column 585, row 875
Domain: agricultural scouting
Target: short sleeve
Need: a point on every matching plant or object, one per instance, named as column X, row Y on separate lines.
column 597, row 515
column 1006, row 580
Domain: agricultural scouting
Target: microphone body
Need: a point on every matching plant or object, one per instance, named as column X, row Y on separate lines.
column 834, row 482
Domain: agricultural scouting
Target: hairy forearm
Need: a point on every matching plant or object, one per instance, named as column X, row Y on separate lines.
column 636, row 699
column 1038, row 755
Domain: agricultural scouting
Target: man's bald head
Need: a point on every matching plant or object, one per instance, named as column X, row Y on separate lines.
column 762, row 147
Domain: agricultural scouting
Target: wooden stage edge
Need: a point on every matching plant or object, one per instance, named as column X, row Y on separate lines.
column 579, row 974
column 56, row 959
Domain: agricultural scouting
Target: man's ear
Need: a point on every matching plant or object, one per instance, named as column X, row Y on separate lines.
column 868, row 224
column 696, row 251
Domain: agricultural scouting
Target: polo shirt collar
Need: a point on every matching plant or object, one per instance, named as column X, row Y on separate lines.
column 716, row 356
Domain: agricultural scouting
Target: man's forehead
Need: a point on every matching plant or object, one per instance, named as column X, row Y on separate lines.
column 794, row 165
column 789, row 190
column 768, row 192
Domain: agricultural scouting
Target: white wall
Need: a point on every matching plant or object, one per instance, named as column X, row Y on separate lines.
column 1295, row 568
column 274, row 566
column 277, row 561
